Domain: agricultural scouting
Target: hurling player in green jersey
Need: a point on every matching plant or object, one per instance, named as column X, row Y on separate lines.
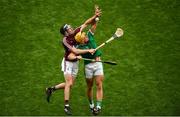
column 93, row 70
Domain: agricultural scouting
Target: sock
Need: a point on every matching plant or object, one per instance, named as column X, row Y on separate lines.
column 66, row 103
column 53, row 88
column 91, row 103
column 99, row 104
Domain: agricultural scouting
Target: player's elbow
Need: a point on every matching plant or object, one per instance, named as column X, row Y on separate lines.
column 74, row 50
column 71, row 56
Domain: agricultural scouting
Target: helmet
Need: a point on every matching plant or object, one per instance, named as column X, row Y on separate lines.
column 66, row 26
column 79, row 37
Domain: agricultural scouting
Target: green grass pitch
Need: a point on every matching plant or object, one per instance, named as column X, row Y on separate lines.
column 146, row 80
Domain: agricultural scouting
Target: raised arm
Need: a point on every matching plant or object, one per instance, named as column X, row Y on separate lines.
column 92, row 19
column 93, row 27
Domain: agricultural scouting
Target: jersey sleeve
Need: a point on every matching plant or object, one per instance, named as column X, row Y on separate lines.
column 77, row 30
column 66, row 44
column 91, row 31
column 90, row 35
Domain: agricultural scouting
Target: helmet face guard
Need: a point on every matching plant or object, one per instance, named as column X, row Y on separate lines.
column 66, row 27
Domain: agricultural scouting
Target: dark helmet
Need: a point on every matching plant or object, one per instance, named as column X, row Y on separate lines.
column 64, row 28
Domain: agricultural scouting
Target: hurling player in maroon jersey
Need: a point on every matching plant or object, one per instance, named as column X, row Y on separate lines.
column 69, row 66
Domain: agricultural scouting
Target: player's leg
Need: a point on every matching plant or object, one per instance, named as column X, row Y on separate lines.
column 99, row 90
column 99, row 77
column 59, row 86
column 69, row 83
column 50, row 90
column 69, row 75
column 89, row 82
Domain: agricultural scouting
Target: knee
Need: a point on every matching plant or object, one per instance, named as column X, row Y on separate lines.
column 69, row 84
column 99, row 85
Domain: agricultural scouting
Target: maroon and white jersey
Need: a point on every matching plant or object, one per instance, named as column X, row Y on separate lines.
column 69, row 42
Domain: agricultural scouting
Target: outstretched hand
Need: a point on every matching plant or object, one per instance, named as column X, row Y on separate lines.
column 97, row 11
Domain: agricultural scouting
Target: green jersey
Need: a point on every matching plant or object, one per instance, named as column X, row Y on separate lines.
column 91, row 44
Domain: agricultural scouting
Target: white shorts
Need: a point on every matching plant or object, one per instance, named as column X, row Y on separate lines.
column 69, row 67
column 93, row 69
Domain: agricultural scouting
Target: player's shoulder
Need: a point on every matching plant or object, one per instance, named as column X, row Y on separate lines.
column 78, row 29
column 90, row 34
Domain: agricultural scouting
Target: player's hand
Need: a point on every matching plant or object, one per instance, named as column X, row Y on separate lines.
column 97, row 11
column 92, row 51
column 79, row 57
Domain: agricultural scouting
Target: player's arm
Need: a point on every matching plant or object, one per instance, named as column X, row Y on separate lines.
column 93, row 27
column 72, row 56
column 75, row 50
column 92, row 19
column 79, row 51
